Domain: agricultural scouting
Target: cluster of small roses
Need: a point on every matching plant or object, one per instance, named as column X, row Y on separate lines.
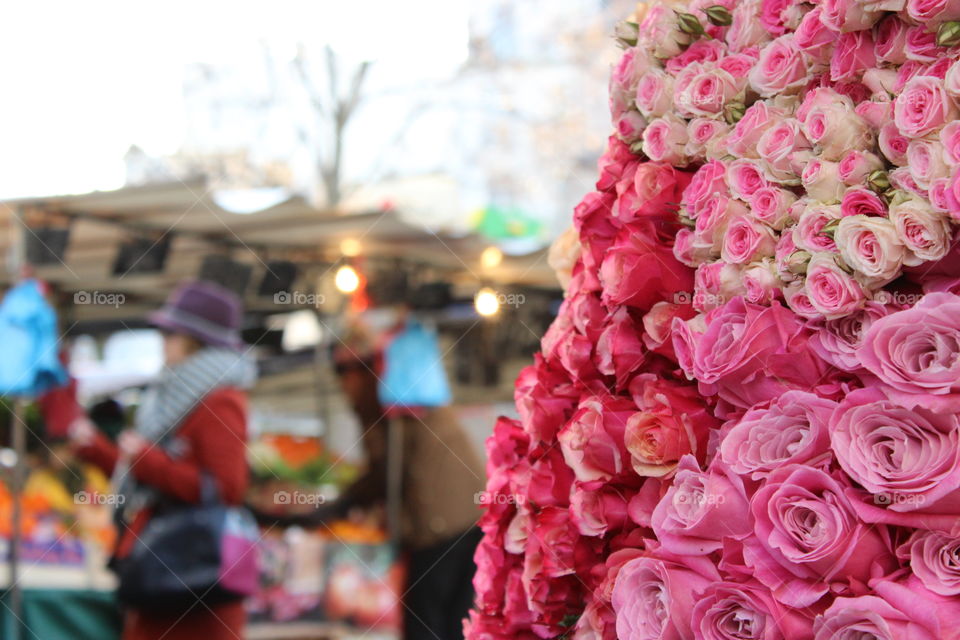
column 745, row 421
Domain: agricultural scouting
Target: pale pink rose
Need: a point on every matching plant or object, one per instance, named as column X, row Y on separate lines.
column 933, row 12
column 737, row 65
column 872, row 247
column 709, row 181
column 856, row 165
column 937, row 194
column 808, row 234
column 623, row 81
column 832, row 291
column 891, row 35
column 785, row 149
column 909, row 459
column 786, row 255
column 852, row 56
column 837, row 341
column 814, row 37
column 862, row 201
column 709, row 91
column 726, row 608
column 953, row 196
column 781, row 69
column 700, row 509
column 684, row 251
column 925, row 161
column 747, row 240
column 715, row 283
column 924, row 232
column 922, row 46
column 681, row 81
column 877, row 112
column 822, row 181
column 950, row 139
column 742, row 141
column 893, row 144
column 771, row 206
column 713, row 220
column 701, row 51
column 902, row 179
column 664, row 140
column 952, row 80
column 654, row 95
column 924, row 106
column 746, row 31
column 799, row 302
column 630, row 126
column 881, row 82
column 791, row 429
column 744, row 178
column 844, row 15
column 760, row 282
column 907, row 72
column 702, row 135
column 933, row 559
column 836, row 128
column 659, row 32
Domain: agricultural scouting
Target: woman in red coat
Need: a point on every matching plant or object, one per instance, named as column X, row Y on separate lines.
column 192, row 422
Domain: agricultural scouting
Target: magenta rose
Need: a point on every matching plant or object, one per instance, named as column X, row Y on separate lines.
column 791, row 429
column 595, row 512
column 659, row 188
column 915, row 353
column 781, row 68
column 934, row 558
column 771, row 206
column 837, row 341
column 548, row 480
column 654, row 595
column 891, row 40
column 857, row 165
column 549, row 567
column 700, row 509
column 862, row 201
column 808, row 540
column 909, row 459
column 592, row 442
column 657, row 325
column 923, row 106
column 545, row 399
column 741, row 610
column 619, row 350
column 852, row 55
column 922, row 47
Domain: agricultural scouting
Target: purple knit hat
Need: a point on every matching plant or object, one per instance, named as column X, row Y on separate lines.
column 204, row 310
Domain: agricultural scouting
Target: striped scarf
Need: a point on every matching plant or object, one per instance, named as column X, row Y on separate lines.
column 174, row 395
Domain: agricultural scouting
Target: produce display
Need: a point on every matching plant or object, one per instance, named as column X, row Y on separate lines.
column 745, row 421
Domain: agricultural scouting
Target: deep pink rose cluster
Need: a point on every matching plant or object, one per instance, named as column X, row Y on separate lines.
column 744, row 423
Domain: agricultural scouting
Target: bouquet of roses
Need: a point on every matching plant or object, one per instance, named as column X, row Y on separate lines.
column 745, row 422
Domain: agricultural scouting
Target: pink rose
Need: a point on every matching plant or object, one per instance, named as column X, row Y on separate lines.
column 659, row 188
column 880, row 82
column 726, row 609
column 684, row 251
column 808, row 234
column 893, row 144
column 950, row 139
column 771, row 15
column 832, row 291
column 925, row 161
column 592, row 442
column 760, row 283
column 953, row 196
column 664, row 140
column 771, row 206
column 746, row 31
column 654, row 595
column 862, row 201
column 705, row 138
column 715, row 283
column 595, row 512
column 791, row 429
column 799, row 302
column 915, row 353
column 619, row 350
column 654, row 94
column 871, row 247
column 713, row 220
column 745, row 177
column 657, row 325
column 837, row 341
column 933, row 559
column 630, row 126
column 660, row 34
column 808, row 540
column 564, row 345
column 781, row 69
column 922, row 46
column 700, row 509
column 743, row 140
column 548, row 481
column 836, row 128
column 924, row 232
column 709, row 91
column 672, row 422
column 857, row 165
column 785, row 149
column 545, row 399
column 902, row 178
column 549, row 579
column 700, row 51
column 891, row 43
column 852, row 55
column 738, row 64
column 909, row 459
column 821, row 179
column 841, row 15
column 814, row 37
column 952, row 80
column 933, row 12
column 747, row 240
column 923, row 106
column 877, row 112
column 937, row 195
column 708, row 182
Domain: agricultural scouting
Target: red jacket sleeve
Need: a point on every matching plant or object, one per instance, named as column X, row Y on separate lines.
column 101, row 453
column 216, row 432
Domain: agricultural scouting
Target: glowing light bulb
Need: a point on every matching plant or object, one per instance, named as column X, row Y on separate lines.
column 350, row 247
column 486, row 302
column 491, row 257
column 347, row 280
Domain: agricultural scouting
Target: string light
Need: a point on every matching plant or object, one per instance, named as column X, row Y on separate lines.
column 491, row 257
column 347, row 279
column 486, row 302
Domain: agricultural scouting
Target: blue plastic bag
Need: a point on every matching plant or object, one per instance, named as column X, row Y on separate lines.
column 413, row 373
column 30, row 363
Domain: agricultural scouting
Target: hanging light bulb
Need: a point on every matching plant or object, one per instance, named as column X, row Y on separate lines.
column 347, row 279
column 350, row 247
column 486, row 302
column 491, row 257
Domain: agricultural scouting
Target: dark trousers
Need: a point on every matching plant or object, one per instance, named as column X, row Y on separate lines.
column 440, row 588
